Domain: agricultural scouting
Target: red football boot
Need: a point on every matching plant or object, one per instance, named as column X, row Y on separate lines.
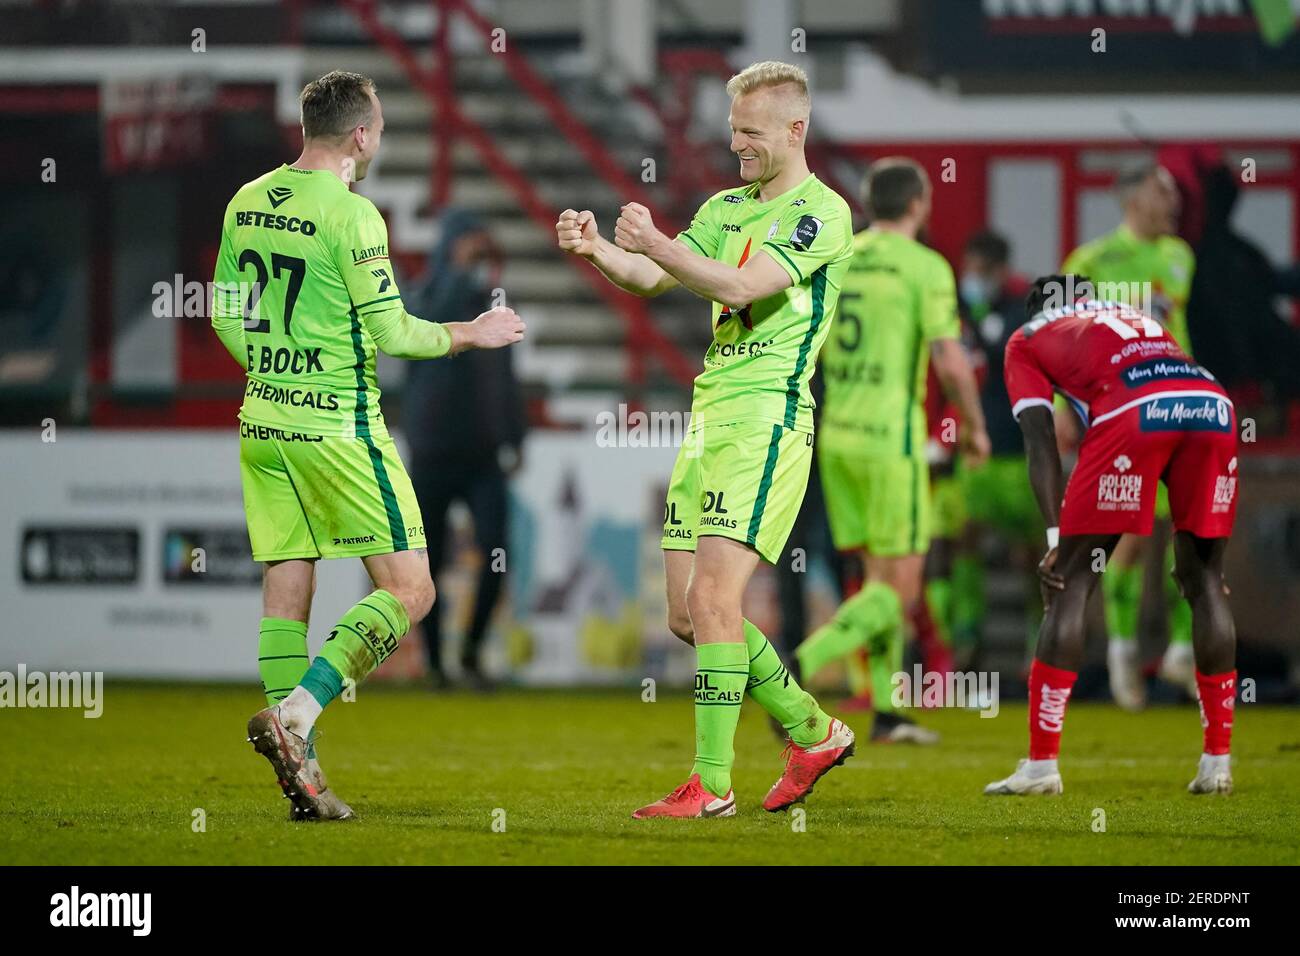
column 690, row 800
column 803, row 768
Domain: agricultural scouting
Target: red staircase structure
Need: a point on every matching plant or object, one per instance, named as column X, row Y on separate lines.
column 644, row 338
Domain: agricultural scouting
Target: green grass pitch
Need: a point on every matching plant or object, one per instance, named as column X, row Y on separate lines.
column 429, row 776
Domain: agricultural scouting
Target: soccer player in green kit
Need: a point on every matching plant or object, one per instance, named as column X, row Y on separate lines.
column 769, row 256
column 898, row 313
column 304, row 295
column 1141, row 259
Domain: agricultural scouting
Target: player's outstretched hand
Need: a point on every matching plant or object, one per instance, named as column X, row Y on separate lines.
column 975, row 447
column 1049, row 582
column 576, row 232
column 635, row 230
column 497, row 328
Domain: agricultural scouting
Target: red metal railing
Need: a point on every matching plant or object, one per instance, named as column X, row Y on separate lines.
column 644, row 338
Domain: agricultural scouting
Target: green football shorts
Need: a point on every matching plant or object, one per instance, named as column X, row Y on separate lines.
column 881, row 505
column 318, row 496
column 743, row 480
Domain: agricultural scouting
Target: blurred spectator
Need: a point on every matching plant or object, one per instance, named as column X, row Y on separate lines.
column 1231, row 313
column 464, row 418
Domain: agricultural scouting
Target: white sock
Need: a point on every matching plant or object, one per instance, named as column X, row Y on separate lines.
column 1216, row 763
column 1039, row 768
column 298, row 711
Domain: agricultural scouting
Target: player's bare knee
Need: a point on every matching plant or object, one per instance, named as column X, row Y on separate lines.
column 702, row 599
column 1192, row 580
column 679, row 622
column 417, row 598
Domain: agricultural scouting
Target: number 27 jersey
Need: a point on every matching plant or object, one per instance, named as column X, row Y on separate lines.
column 304, row 261
column 1103, row 357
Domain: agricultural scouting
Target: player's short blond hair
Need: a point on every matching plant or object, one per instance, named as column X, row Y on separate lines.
column 771, row 74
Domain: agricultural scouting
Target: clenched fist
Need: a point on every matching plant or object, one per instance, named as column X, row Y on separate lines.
column 497, row 328
column 635, row 230
column 576, row 232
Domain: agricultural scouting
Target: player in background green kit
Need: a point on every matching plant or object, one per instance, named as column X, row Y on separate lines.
column 898, row 313
column 304, row 295
column 769, row 256
column 1143, row 259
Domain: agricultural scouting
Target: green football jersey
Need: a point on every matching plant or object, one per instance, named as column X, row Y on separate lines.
column 304, row 260
column 1119, row 262
column 762, row 356
column 898, row 296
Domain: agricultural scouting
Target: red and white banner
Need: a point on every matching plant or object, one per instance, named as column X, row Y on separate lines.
column 156, row 122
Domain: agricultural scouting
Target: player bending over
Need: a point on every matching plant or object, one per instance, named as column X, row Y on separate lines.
column 769, row 256
column 321, row 475
column 1152, row 415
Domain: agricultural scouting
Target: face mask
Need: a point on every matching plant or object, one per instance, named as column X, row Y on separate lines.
column 975, row 289
column 481, row 274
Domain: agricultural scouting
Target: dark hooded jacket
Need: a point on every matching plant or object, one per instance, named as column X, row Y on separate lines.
column 1235, row 330
column 464, row 408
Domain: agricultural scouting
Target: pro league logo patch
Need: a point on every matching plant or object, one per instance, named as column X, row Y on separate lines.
column 1186, row 414
column 805, row 232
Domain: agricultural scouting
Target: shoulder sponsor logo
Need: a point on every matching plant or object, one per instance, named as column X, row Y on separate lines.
column 279, row 195
column 369, row 254
column 805, row 231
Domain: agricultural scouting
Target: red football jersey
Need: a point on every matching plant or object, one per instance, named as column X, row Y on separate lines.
column 1102, row 357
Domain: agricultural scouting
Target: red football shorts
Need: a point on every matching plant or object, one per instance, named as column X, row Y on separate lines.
column 1187, row 439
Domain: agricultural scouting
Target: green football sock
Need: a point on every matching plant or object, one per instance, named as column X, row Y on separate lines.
column 938, row 592
column 778, row 693
column 365, row 636
column 720, row 678
column 1122, row 588
column 873, row 610
column 281, row 657
column 1180, row 612
column 886, row 649
column 967, row 601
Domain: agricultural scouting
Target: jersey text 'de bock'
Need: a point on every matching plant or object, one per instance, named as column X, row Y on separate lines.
column 304, row 262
